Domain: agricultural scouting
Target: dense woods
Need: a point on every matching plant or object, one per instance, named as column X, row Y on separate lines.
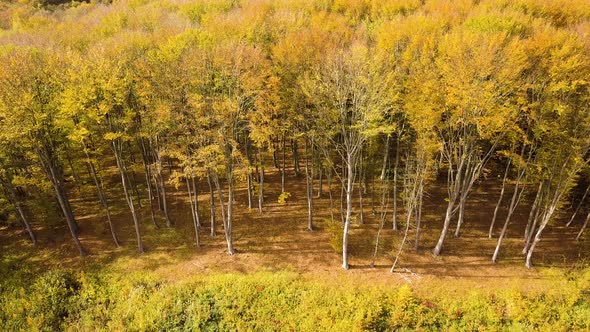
column 372, row 103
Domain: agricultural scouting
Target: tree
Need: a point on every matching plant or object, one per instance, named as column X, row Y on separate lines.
column 31, row 116
column 479, row 72
column 348, row 94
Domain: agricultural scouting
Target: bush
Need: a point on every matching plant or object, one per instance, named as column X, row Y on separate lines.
column 61, row 300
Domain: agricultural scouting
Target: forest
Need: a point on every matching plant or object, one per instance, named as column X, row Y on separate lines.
column 413, row 122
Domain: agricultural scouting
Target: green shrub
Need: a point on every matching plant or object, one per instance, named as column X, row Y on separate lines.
column 106, row 301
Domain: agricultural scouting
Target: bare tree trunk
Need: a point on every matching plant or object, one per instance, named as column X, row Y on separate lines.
column 133, row 183
column 515, row 198
column 225, row 217
column 56, row 178
column 401, row 247
column 547, row 214
column 533, row 211
column 23, row 217
column 462, row 199
column 194, row 215
column 536, row 240
column 12, row 197
column 211, row 203
column 157, row 187
column 342, row 193
column 249, row 189
column 499, row 199
column 531, row 231
column 162, row 184
column 148, row 181
column 295, row 157
column 578, row 208
column 329, row 176
column 230, row 212
column 385, row 159
column 320, row 179
column 275, row 157
column 122, row 172
column 164, row 200
column 448, row 215
column 383, row 213
column 395, row 170
column 361, row 171
column 261, row 182
column 583, row 227
column 77, row 180
column 284, row 143
column 419, row 213
column 309, row 187
column 101, row 196
column 349, row 189
column 196, row 195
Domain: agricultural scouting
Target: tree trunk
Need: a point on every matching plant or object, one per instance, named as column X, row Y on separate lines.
column 56, row 179
column 545, row 220
column 261, row 181
column 462, row 200
column 193, row 213
column 225, row 217
column 157, row 187
column 513, row 203
column 295, row 157
column 162, row 184
column 196, row 195
column 401, row 247
column 211, row 203
column 419, row 213
column 385, row 159
column 148, row 181
column 122, row 172
column 275, row 157
column 309, row 187
column 230, row 213
column 361, row 171
column 583, row 227
column 12, row 197
column 249, row 189
column 578, row 208
column 499, row 199
column 531, row 231
column 63, row 202
column 533, row 210
column 73, row 169
column 283, row 166
column 102, row 197
column 164, row 200
column 448, row 215
column 395, row 170
column 342, row 190
column 133, row 184
column 329, row 176
column 530, row 251
column 320, row 179
column 349, row 189
column 25, row 221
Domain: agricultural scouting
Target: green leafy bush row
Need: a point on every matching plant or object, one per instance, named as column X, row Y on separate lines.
column 61, row 300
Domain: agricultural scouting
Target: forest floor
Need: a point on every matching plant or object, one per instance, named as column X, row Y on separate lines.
column 277, row 240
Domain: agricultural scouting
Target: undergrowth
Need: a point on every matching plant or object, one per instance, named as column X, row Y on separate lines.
column 140, row 301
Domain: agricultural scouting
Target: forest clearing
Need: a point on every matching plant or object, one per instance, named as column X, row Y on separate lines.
column 295, row 165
